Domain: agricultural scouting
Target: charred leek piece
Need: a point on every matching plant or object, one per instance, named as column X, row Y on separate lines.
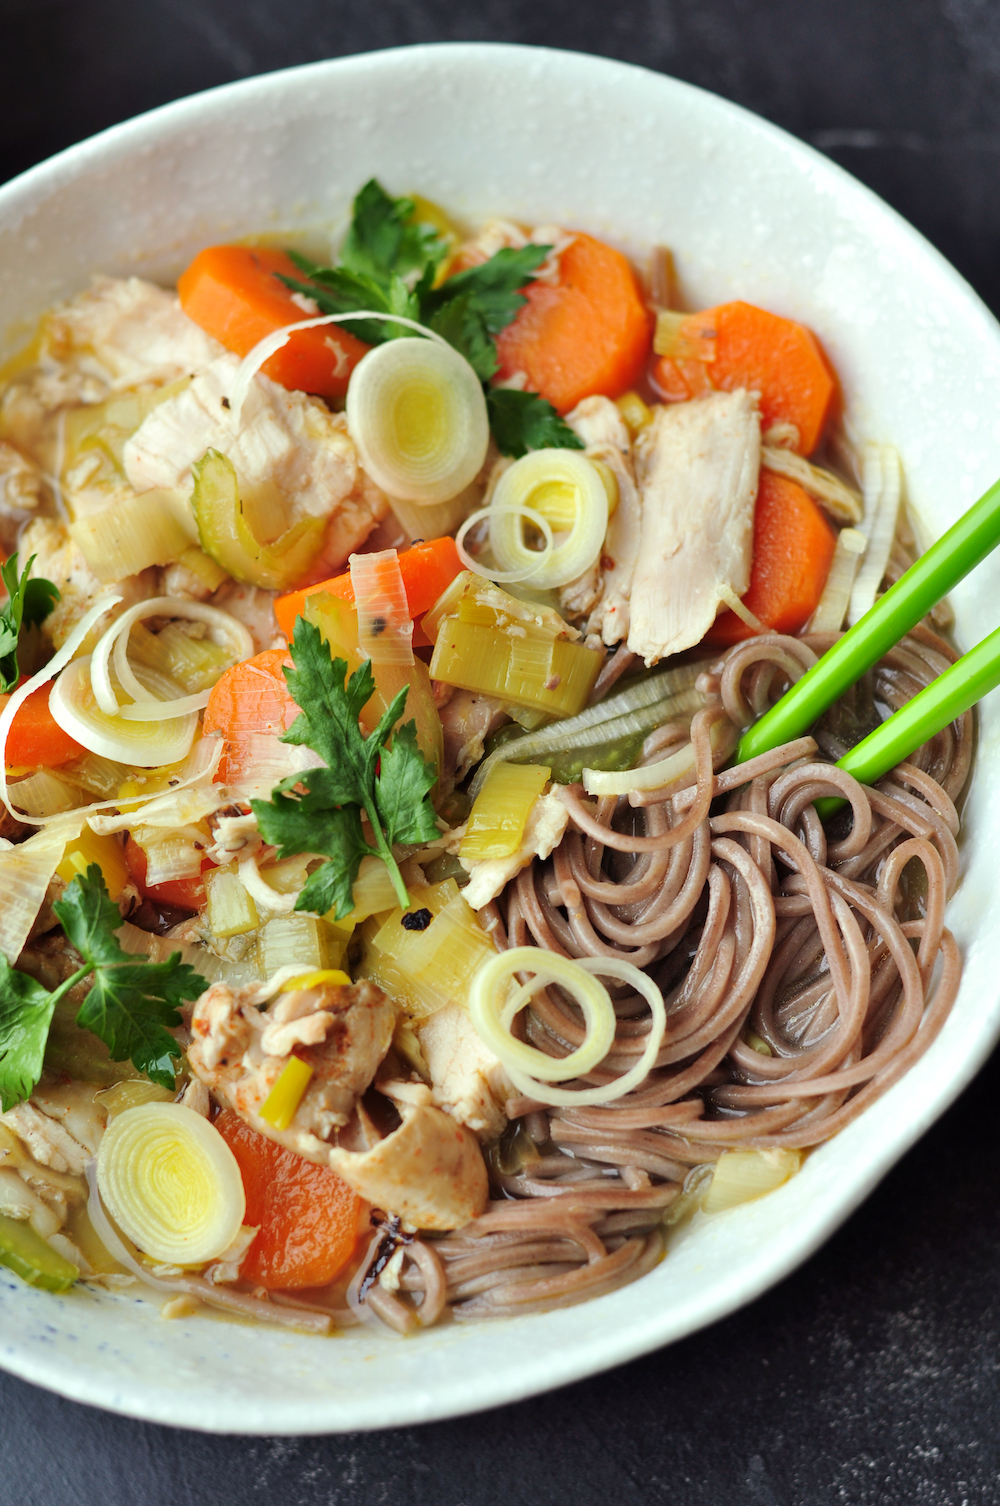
column 227, row 537
column 171, row 1183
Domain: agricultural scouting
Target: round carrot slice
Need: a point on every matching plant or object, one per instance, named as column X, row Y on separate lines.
column 249, row 700
column 307, row 1216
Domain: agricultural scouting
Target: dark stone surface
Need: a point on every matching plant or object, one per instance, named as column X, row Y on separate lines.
column 872, row 1375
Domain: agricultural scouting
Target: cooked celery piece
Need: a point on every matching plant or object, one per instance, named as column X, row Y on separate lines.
column 499, row 816
column 105, row 851
column 546, row 674
column 337, row 622
column 742, row 1175
column 300, row 940
column 134, row 533
column 227, row 537
column 195, row 663
column 231, row 910
column 281, row 1103
column 32, row 1258
column 425, row 970
column 207, row 570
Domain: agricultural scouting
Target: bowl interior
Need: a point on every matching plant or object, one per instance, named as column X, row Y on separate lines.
column 641, row 159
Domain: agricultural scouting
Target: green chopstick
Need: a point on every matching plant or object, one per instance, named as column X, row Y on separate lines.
column 933, row 575
column 941, row 702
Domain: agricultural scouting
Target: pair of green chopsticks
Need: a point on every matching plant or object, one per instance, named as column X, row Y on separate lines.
column 957, row 552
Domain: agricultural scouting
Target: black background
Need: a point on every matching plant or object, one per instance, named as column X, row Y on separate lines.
column 871, row 1375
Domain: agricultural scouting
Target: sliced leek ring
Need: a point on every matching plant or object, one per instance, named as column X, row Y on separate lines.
column 566, row 489
column 145, row 744
column 225, row 628
column 417, row 413
column 171, row 1183
column 493, row 572
column 493, row 1010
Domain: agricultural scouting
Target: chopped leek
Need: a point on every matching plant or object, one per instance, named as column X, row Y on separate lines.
column 500, row 813
column 534, row 670
column 146, row 744
column 89, row 848
column 881, row 485
column 417, row 413
column 373, row 892
column 840, row 500
column 227, row 537
column 194, row 663
column 131, row 1095
column 231, row 910
column 296, row 940
column 742, row 1175
column 635, row 412
column 385, row 627
column 281, row 1104
column 151, row 529
column 32, row 1258
column 171, row 1183
column 425, row 970
column 476, row 599
column 829, row 614
column 44, row 794
column 334, row 976
column 170, row 854
column 569, row 493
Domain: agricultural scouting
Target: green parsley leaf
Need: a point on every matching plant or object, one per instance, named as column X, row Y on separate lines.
column 523, row 421
column 336, row 291
column 26, row 1009
column 29, row 603
column 457, row 322
column 131, row 1002
column 384, row 240
column 493, row 289
column 320, row 809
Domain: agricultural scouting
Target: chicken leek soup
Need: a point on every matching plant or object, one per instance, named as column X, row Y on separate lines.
column 386, row 936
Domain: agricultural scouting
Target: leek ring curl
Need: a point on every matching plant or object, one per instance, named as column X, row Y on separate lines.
column 149, row 707
column 532, row 1072
column 505, row 577
column 525, row 483
column 171, row 1183
column 146, row 744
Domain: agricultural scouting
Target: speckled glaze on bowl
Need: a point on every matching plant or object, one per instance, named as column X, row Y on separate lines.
column 538, row 136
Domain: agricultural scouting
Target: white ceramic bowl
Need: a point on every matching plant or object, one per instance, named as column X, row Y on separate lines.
column 540, row 137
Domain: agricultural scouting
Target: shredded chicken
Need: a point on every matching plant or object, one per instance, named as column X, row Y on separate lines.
column 467, row 720
column 61, row 1126
column 543, row 831
column 294, row 459
column 135, row 331
column 239, row 1051
column 602, row 591
column 430, row 1171
column 467, row 1080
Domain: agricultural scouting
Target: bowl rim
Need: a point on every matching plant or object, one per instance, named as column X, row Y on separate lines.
column 590, row 1356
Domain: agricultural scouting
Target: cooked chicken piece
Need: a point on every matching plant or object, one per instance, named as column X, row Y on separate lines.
column 136, row 332
column 696, row 466
column 467, row 720
column 294, row 459
column 467, row 1081
column 20, row 481
column 61, row 1126
column 58, row 559
column 253, row 607
column 196, row 1097
column 543, row 831
column 239, row 1051
column 602, row 591
column 429, row 1171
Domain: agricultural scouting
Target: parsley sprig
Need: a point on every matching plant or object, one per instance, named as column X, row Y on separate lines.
column 28, row 603
column 320, row 810
column 389, row 263
column 131, row 1005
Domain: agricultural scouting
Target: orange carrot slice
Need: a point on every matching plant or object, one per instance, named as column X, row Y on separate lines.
column 234, row 293
column 36, row 739
column 587, row 333
column 793, row 548
column 248, row 702
column 307, row 1216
